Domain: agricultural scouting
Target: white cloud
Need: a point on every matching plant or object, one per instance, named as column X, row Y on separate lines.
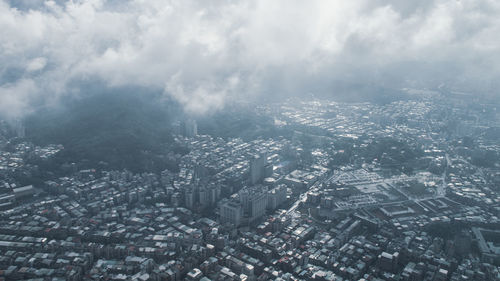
column 36, row 64
column 15, row 97
column 194, row 49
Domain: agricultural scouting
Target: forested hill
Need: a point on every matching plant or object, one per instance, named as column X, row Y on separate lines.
column 122, row 129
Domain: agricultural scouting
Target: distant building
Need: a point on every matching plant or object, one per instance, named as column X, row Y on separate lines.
column 258, row 204
column 394, row 211
column 204, row 197
column 388, row 262
column 486, row 240
column 194, row 275
column 254, row 201
column 258, row 168
column 176, row 128
column 189, row 198
column 190, row 128
column 25, row 191
column 6, row 201
column 276, row 197
column 231, row 212
column 19, row 128
column 209, row 195
column 200, row 173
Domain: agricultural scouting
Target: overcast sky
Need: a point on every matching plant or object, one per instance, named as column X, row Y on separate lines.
column 203, row 53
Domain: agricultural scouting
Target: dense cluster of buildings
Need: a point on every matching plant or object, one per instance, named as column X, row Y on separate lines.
column 270, row 209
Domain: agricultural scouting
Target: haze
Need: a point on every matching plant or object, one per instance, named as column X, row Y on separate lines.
column 205, row 53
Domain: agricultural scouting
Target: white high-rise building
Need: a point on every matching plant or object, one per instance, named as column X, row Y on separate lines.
column 254, row 201
column 258, row 204
column 276, row 197
column 231, row 212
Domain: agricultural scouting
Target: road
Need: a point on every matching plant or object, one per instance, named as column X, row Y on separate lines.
column 302, row 199
column 441, row 189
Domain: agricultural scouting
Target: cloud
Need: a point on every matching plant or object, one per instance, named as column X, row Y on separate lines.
column 15, row 97
column 203, row 53
column 36, row 64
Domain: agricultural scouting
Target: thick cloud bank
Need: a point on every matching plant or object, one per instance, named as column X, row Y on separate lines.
column 203, row 53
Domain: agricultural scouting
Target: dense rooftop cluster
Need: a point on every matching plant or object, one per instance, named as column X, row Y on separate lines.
column 402, row 191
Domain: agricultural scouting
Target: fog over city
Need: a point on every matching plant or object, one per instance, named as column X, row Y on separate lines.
column 203, row 53
column 220, row 140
